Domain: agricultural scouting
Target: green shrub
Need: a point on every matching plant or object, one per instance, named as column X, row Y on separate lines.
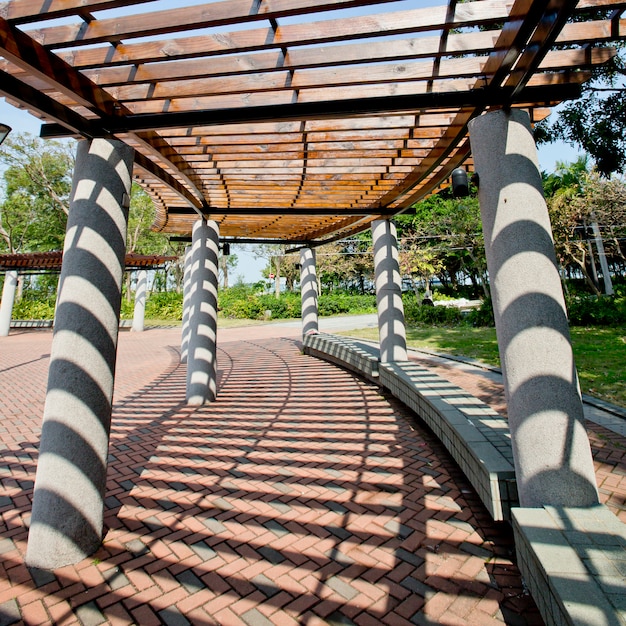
column 337, row 303
column 594, row 311
column 164, row 305
column 25, row 309
column 285, row 307
column 243, row 302
column 128, row 309
column 419, row 314
column 481, row 316
column 246, row 308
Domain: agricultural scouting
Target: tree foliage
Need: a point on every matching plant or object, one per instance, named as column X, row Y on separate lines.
column 596, row 122
column 35, row 199
column 35, row 202
column 347, row 264
column 578, row 198
column 443, row 239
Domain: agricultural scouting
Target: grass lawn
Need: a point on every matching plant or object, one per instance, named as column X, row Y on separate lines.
column 600, row 353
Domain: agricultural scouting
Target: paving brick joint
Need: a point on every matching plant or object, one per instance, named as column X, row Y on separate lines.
column 304, row 495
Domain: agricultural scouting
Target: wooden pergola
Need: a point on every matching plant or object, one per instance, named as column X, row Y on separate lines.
column 50, row 262
column 299, row 121
column 294, row 120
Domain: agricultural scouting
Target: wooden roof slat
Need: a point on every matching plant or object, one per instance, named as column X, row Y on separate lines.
column 208, row 15
column 24, row 11
column 275, row 60
column 318, row 79
column 362, row 53
column 306, row 79
column 307, row 33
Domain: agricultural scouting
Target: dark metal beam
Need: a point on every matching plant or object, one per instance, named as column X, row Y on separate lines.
column 502, row 96
column 242, row 240
column 314, row 211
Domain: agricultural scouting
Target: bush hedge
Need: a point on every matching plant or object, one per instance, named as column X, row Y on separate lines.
column 596, row 311
column 245, row 302
column 420, row 314
column 26, row 309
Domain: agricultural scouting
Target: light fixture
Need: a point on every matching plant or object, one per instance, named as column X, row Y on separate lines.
column 4, row 131
column 460, row 185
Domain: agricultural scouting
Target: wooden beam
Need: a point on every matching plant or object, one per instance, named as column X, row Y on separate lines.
column 26, row 53
column 24, row 11
column 32, row 99
column 165, row 177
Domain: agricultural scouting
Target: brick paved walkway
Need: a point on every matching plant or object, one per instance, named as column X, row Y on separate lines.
column 303, row 496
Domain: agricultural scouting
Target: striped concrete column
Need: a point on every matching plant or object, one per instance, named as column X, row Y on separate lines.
column 391, row 328
column 8, row 300
column 184, row 338
column 202, row 356
column 68, row 506
column 308, row 291
column 552, row 455
column 139, row 312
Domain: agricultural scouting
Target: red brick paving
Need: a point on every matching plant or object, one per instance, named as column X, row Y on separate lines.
column 302, row 496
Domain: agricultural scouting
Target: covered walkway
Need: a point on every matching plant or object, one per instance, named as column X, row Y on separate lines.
column 302, row 496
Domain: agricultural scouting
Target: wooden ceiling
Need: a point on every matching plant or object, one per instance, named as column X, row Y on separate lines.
column 293, row 120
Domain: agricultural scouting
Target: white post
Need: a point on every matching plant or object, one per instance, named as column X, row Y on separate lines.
column 139, row 312
column 606, row 275
column 184, row 339
column 8, row 300
column 552, row 455
column 391, row 328
column 68, row 506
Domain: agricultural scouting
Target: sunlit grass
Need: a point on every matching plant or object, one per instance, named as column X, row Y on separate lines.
column 600, row 353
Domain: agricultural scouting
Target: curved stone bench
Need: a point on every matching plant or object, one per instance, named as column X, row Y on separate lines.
column 358, row 357
column 574, row 563
column 474, row 434
column 31, row 323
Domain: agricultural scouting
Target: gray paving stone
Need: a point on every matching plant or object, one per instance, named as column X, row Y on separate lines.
column 342, row 588
column 90, row 615
column 253, row 617
column 9, row 613
column 173, row 617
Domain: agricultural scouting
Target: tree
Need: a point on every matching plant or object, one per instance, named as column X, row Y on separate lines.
column 596, row 122
column 38, row 180
column 586, row 208
column 227, row 262
column 140, row 238
column 279, row 265
column 36, row 199
column 419, row 263
column 448, row 233
column 347, row 263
